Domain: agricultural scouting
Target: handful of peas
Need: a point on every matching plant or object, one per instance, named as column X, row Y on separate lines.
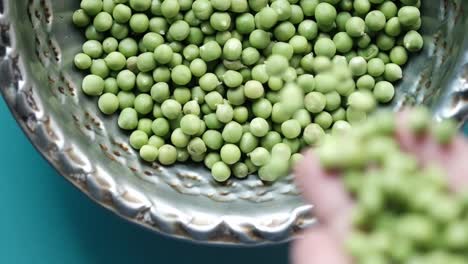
column 405, row 212
column 242, row 85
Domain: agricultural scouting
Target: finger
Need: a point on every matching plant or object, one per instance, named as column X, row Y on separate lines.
column 322, row 189
column 451, row 158
column 318, row 246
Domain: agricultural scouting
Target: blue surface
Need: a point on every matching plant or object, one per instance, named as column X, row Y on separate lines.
column 44, row 219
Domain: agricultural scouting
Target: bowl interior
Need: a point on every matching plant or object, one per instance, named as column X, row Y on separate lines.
column 181, row 200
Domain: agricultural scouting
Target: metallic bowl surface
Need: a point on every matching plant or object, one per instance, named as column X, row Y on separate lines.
column 42, row 89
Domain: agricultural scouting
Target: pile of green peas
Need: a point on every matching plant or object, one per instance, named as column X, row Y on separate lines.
column 201, row 80
column 404, row 212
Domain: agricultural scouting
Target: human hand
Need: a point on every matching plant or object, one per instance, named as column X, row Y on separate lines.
column 324, row 243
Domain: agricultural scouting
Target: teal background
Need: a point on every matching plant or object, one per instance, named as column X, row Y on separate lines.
column 43, row 219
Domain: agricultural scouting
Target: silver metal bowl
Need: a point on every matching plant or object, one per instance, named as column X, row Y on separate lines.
column 39, row 83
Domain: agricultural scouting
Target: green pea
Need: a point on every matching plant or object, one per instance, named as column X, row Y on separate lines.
column 170, row 8
column 325, row 14
column 202, row 9
column 325, row 47
column 220, row 171
column 408, row 15
column 119, row 31
column 313, row 134
column 240, row 170
column 82, row 61
column 253, row 89
column 138, row 139
column 210, row 51
column 108, row 103
column 167, row 155
column 413, row 41
column 80, row 18
column 284, row 31
column 343, row 42
column 139, row 23
column 355, row 27
column 232, row 132
column 384, row 91
column 179, row 31
column 128, row 119
column 93, row 85
column 259, row 39
column 91, row 7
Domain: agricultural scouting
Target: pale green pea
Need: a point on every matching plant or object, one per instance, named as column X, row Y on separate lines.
column 326, row 82
column 365, row 82
column 253, row 89
column 313, row 134
column 149, row 153
column 80, row 18
column 262, row 108
column 108, row 103
column 355, row 27
column 126, row 99
column 144, row 125
column 220, row 171
column 211, row 159
column 375, row 67
column 160, row 92
column 354, row 116
column 99, row 68
column 325, row 14
column 333, row 101
column 248, row 142
column 213, row 139
column 236, row 96
column 196, row 147
column 224, row 113
column 284, row 31
column 198, row 67
column 325, row 47
column 182, row 95
column 291, row 129
column 210, row 51
column 232, row 79
column 259, row 39
column 213, row 99
column 143, row 104
column 167, row 155
column 399, row 55
column 139, row 23
column 232, row 132
column 323, row 119
column 190, row 124
column 259, row 156
column 384, row 91
column 93, row 85
column 138, row 139
column 209, row 82
column 230, row 154
column 128, row 119
column 259, row 127
column 358, row 66
column 362, row 100
column 393, row 72
column 82, row 61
